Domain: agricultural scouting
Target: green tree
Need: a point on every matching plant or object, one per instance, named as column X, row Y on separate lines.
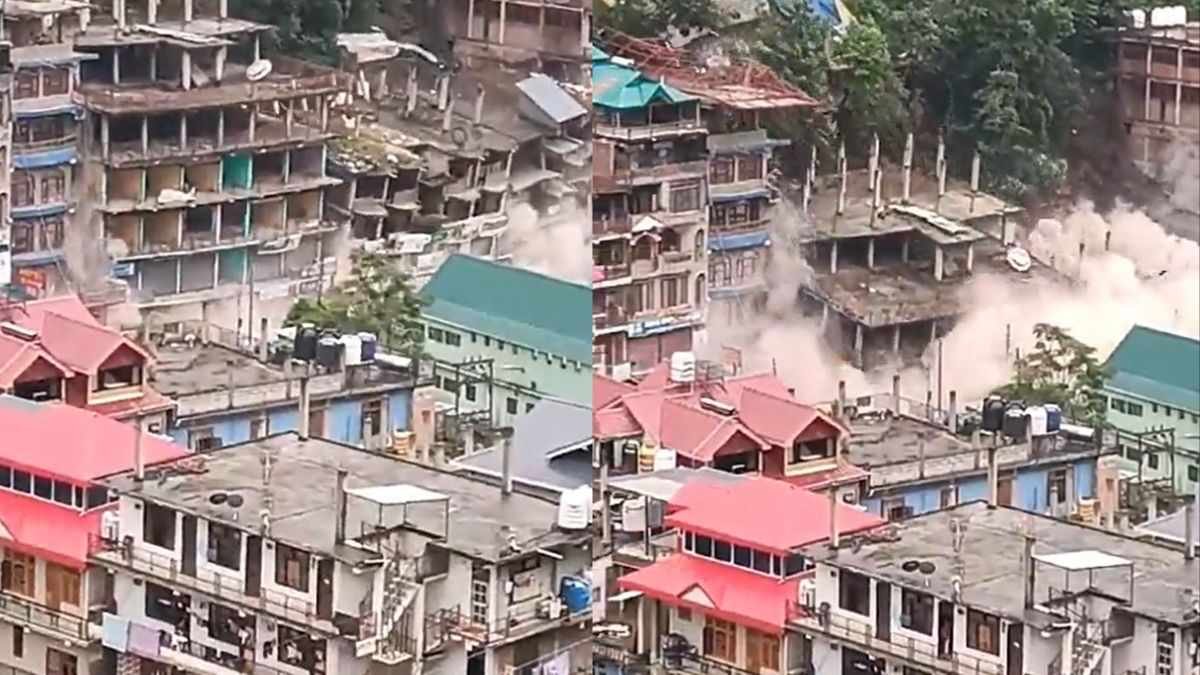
column 377, row 299
column 650, row 18
column 308, row 29
column 1060, row 370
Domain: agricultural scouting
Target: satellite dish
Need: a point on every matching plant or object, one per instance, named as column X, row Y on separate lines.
column 1019, row 259
column 459, row 136
column 258, row 70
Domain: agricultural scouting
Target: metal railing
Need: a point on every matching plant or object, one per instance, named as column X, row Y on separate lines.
column 22, row 146
column 227, row 587
column 614, row 271
column 643, row 131
column 612, row 224
column 861, row 635
column 628, row 175
column 515, row 623
column 31, row 613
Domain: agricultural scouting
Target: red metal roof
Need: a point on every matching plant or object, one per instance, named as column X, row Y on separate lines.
column 47, row 530
column 727, row 592
column 72, row 444
column 83, row 346
column 841, row 475
column 605, row 390
column 17, row 356
column 751, row 513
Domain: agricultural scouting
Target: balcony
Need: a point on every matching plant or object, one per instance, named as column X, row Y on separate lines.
column 607, row 129
column 610, row 272
column 41, row 618
column 860, row 634
column 612, row 317
column 756, row 225
column 656, row 173
column 23, row 147
column 130, row 555
column 615, row 224
column 531, row 617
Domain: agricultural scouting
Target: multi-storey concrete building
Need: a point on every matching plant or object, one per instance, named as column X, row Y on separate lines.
column 45, row 137
column 551, row 36
column 6, row 256
column 649, row 214
column 51, row 505
column 205, row 163
column 1158, row 88
column 292, row 554
column 993, row 590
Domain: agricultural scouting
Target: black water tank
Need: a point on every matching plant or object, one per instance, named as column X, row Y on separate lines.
column 992, row 414
column 1015, row 422
column 306, row 343
column 329, row 352
column 368, row 347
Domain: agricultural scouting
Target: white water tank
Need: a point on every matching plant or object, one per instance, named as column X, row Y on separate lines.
column 683, row 367
column 1168, row 16
column 352, row 349
column 575, row 508
column 664, row 458
column 1037, row 421
column 633, row 515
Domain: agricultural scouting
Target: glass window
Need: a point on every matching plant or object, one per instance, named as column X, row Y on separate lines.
column 43, row 487
column 762, row 562
column 224, row 546
column 983, row 632
column 704, row 546
column 722, row 550
column 5, row 476
column 854, row 593
column 794, row 564
column 916, row 611
column 158, row 526
column 291, row 567
column 741, row 556
column 64, row 493
column 22, row 481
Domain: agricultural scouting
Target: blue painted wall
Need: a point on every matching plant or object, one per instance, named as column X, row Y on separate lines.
column 343, row 420
column 1029, row 489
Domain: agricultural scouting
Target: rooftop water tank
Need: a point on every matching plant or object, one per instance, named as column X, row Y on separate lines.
column 1037, row 420
column 633, row 515
column 1053, row 418
column 352, row 348
column 368, row 346
column 306, row 343
column 1015, row 422
column 992, row 415
column 683, row 367
column 576, row 594
column 329, row 352
column 664, row 458
column 575, row 508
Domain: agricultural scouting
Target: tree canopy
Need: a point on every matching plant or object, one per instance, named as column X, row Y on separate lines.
column 1060, row 370
column 376, row 299
column 308, row 29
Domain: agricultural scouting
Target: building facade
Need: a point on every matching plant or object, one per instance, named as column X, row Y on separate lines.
column 649, row 218
column 502, row 338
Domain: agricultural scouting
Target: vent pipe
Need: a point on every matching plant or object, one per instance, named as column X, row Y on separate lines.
column 993, row 478
column 340, row 506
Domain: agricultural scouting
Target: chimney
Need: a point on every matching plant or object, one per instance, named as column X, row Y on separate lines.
column 304, row 405
column 896, row 394
column 1030, row 572
column 265, row 341
column 139, row 458
column 479, row 96
column 506, row 466
column 1189, row 534
column 834, row 535
column 340, row 504
column 952, row 413
column 908, row 162
column 993, row 478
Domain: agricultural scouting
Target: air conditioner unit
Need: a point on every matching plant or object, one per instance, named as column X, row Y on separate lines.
column 808, row 593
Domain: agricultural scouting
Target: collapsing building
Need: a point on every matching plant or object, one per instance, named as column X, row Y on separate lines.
column 206, row 163
column 547, row 36
column 432, row 175
column 890, row 252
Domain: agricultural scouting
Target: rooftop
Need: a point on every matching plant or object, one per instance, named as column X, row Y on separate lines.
column 738, row 513
column 620, row 86
column 1169, row 528
column 1158, row 366
column 991, row 570
column 550, row 448
column 300, row 495
column 46, row 530
column 664, row 484
column 72, row 444
column 536, row 311
column 551, row 99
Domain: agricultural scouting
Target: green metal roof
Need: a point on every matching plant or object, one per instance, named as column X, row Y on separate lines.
column 599, row 55
column 621, row 87
column 1157, row 366
column 512, row 304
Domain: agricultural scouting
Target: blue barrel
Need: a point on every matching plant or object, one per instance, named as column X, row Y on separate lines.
column 368, row 346
column 576, row 594
column 1053, row 418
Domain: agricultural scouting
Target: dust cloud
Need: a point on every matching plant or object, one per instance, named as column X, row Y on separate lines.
column 557, row 245
column 1148, row 276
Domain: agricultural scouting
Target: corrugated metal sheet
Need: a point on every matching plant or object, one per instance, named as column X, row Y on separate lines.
column 551, row 98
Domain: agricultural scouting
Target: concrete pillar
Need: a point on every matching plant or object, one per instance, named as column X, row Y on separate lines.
column 833, row 255
column 151, row 12
column 896, row 339
column 145, row 134
column 858, row 344
column 116, row 56
column 939, row 263
column 470, row 19
column 188, row 11
column 904, row 249
column 503, row 19
column 970, row 258
column 220, row 129
column 183, row 130
column 871, row 253
column 223, row 9
column 185, row 74
column 219, row 63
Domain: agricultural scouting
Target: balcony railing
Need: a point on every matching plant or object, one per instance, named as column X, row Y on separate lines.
column 531, row 617
column 611, row 271
column 39, row 144
column 659, row 172
column 861, row 635
column 139, row 559
column 643, row 131
column 30, row 613
column 620, row 223
column 609, row 318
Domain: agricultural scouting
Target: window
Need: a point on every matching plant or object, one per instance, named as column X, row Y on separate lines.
column 118, row 378
column 762, row 562
column 763, row 649
column 291, row 567
column 43, row 487
column 158, row 526
column 703, row 546
column 948, row 497
column 510, row 405
column 54, row 81
column 684, row 614
column 805, row 451
column 225, row 624
column 18, row 642
column 1152, row 460
column 685, row 197
column 436, row 334
column 24, row 189
column 854, row 593
column 983, row 632
column 6, row 476
column 1193, row 473
column 163, row 604
column 53, row 187
column 723, row 550
column 258, row 428
column 741, row 556
column 894, row 508
column 224, row 546
column 916, row 611
column 794, row 564
column 62, row 586
column 750, row 167
column 22, row 481
column 469, row 392
column 27, row 84
column 297, row 649
column 18, row 574
column 720, row 639
column 316, row 420
column 1056, row 484
column 720, row 170
column 1134, row 409
column 373, row 417
column 64, row 493
column 96, row 495
column 674, row 292
column 1119, row 405
column 60, row 663
column 453, row 339
column 23, row 240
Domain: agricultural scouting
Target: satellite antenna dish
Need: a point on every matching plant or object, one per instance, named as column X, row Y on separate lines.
column 258, row 70
column 459, row 136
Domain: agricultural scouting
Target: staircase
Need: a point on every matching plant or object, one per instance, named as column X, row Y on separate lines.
column 400, row 588
column 1087, row 648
